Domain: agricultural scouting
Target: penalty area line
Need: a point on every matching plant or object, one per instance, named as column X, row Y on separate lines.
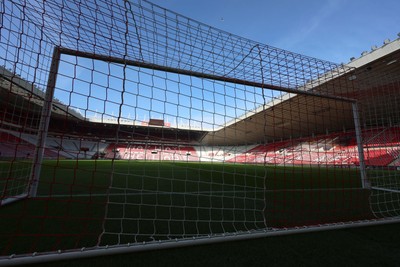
column 385, row 189
column 210, row 193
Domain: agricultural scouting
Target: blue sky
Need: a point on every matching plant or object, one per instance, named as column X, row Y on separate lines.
column 333, row 30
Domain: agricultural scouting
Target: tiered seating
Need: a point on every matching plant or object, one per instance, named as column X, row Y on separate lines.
column 272, row 147
column 11, row 146
column 334, row 149
column 151, row 152
column 75, row 148
column 383, row 137
column 221, row 153
column 380, row 157
column 381, row 149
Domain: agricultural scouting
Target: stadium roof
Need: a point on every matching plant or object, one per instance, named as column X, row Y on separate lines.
column 294, row 115
column 166, row 41
column 17, row 90
column 290, row 115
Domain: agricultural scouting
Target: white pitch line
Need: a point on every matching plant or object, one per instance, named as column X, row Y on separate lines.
column 386, row 189
column 206, row 192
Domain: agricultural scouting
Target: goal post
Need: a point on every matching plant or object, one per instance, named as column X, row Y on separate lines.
column 44, row 124
column 354, row 106
column 357, row 128
column 127, row 127
column 28, row 188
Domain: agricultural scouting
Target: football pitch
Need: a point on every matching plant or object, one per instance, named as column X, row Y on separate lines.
column 87, row 203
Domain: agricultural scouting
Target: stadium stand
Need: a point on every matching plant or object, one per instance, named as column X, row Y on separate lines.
column 334, row 149
column 12, row 146
column 221, row 153
column 143, row 151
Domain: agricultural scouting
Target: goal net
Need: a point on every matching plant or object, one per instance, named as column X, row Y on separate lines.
column 125, row 126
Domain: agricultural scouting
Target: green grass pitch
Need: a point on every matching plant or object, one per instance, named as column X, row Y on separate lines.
column 85, row 203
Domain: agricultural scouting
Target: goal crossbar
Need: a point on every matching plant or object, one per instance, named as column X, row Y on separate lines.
column 201, row 75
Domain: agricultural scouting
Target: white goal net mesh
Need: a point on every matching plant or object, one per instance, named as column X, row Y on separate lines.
column 123, row 124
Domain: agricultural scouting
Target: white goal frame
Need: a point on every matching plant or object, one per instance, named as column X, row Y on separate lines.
column 230, row 69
